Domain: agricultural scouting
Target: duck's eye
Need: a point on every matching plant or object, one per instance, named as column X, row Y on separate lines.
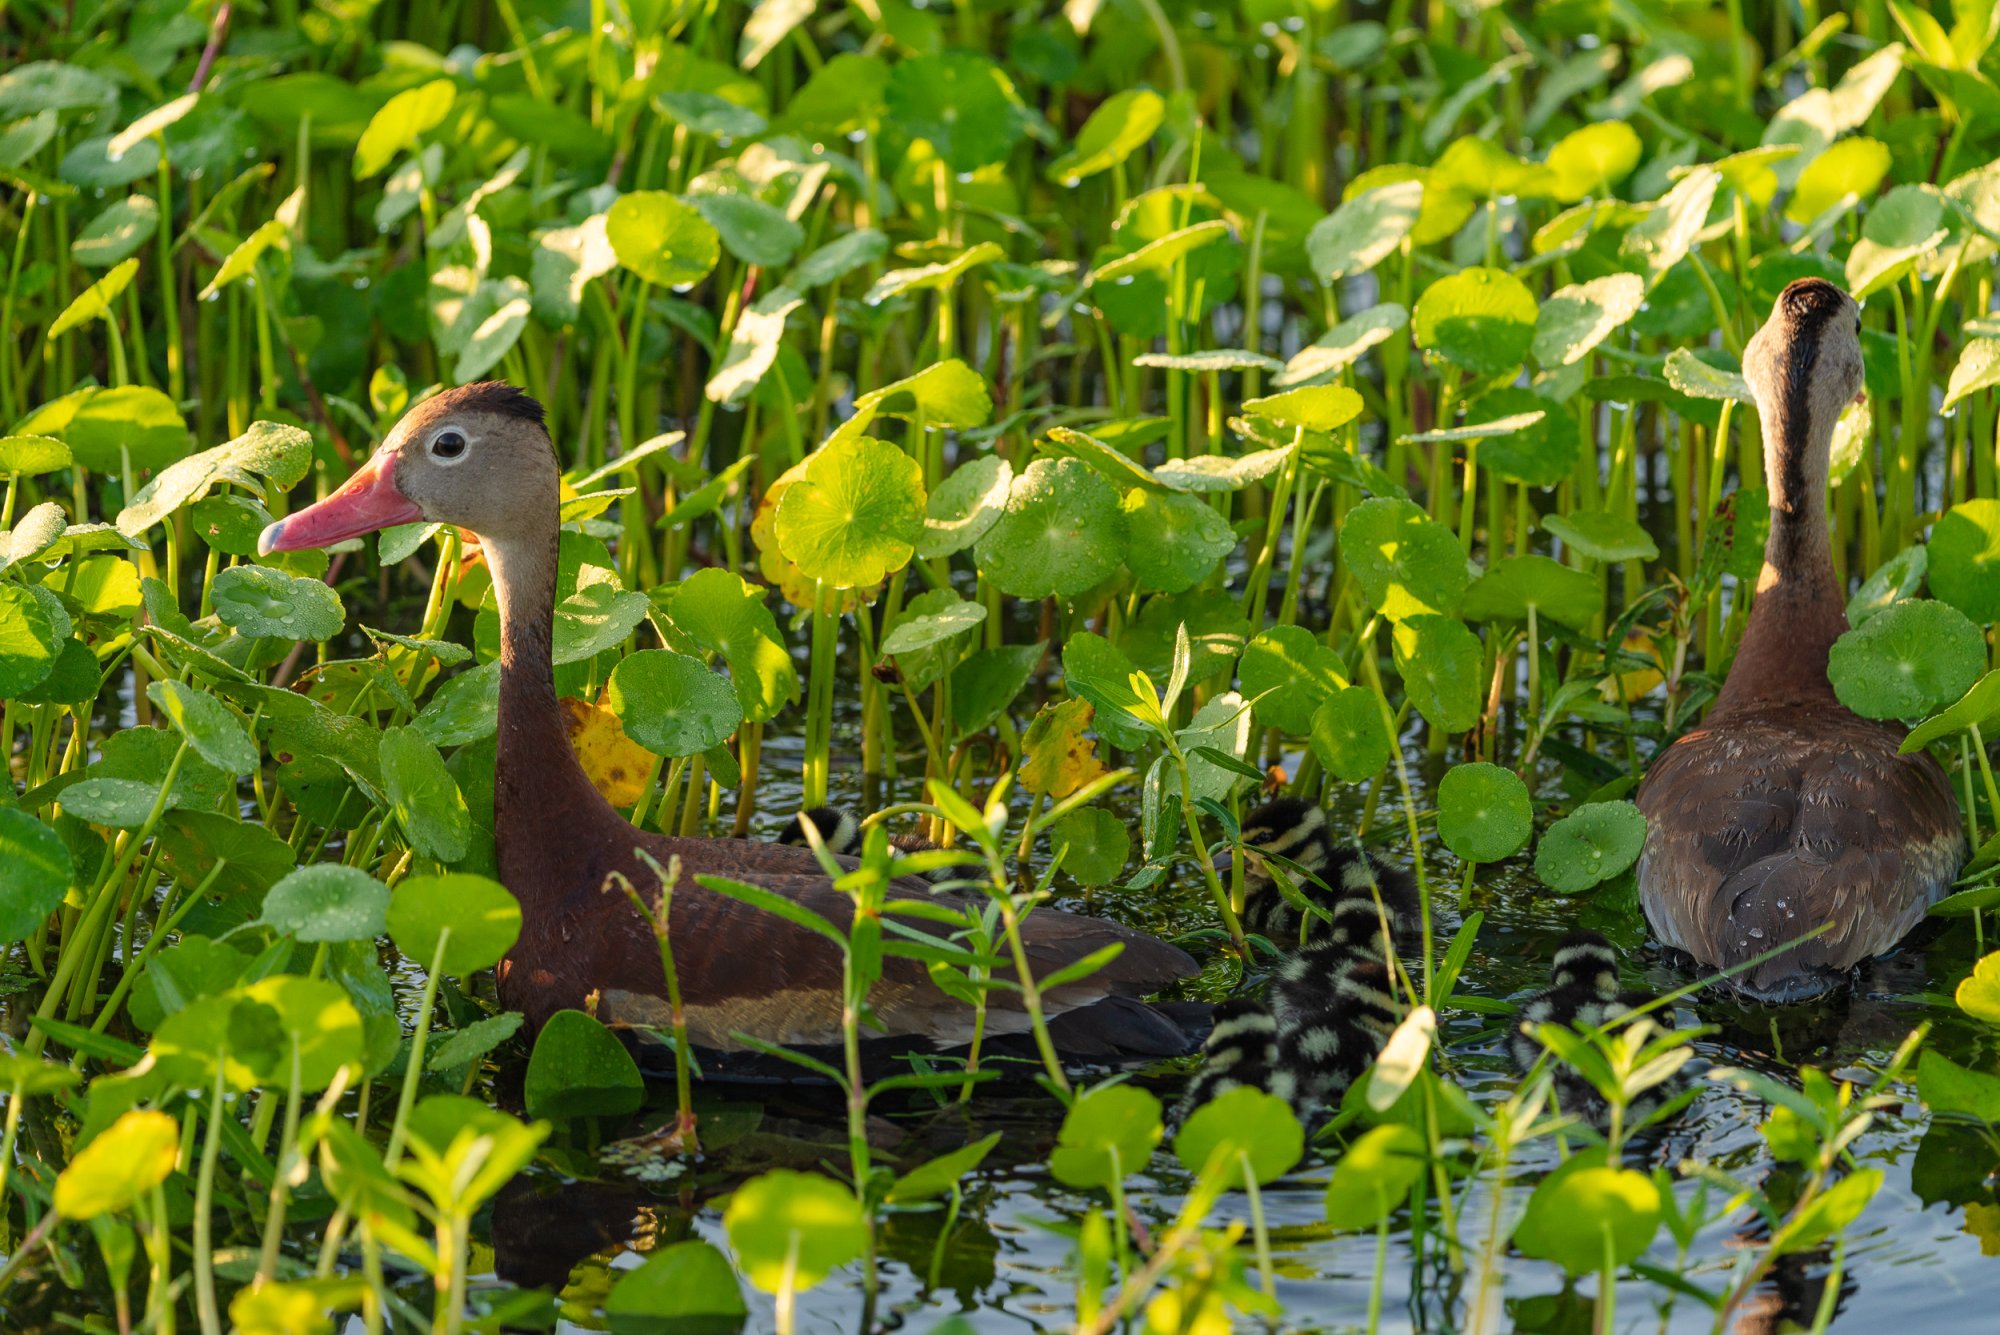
column 448, row 444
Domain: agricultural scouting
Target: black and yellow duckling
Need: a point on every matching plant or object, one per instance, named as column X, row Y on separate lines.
column 1584, row 994
column 1332, row 1000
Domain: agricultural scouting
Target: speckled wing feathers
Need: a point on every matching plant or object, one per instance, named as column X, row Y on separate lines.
column 1761, row 828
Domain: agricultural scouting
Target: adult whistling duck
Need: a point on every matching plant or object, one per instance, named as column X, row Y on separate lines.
column 479, row 457
column 1785, row 812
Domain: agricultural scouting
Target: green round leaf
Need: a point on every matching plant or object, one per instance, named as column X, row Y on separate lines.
column 210, row 727
column 1484, row 814
column 1541, row 454
column 856, row 514
column 1316, row 407
column 1480, row 319
column 794, row 1226
column 1406, row 562
column 134, row 423
column 1910, row 659
column 1093, row 843
column 1516, row 583
column 662, row 239
column 483, row 921
column 1121, row 124
column 753, row 231
column 688, row 1285
column 1289, row 673
column 1601, row 536
column 258, row 600
column 580, row 1069
column 1364, row 230
column 423, row 796
column 122, row 804
column 1592, row 160
column 116, row 233
column 328, row 902
column 1064, row 531
column 1851, row 168
column 671, row 704
column 1589, row 846
column 32, row 454
column 1965, row 559
column 1585, row 1216
column 317, row 1015
column 1107, row 1135
column 1374, row 1176
column 726, row 614
column 1975, row 709
column 1349, row 735
column 1579, row 317
column 1244, row 1133
column 1440, row 661
column 1185, row 537
column 953, row 619
column 35, row 874
column 965, row 505
column 28, row 641
column 961, row 102
column 400, row 122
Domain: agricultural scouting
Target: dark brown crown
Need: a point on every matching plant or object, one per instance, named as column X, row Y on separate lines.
column 1811, row 300
column 490, row 396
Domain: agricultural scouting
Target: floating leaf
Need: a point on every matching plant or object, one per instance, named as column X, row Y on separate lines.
column 1439, row 660
column 35, row 874
column 1107, row 1135
column 1909, row 660
column 1364, row 230
column 671, row 704
column 403, row 119
column 327, row 902
column 1349, row 735
column 1118, row 128
column 1589, row 846
column 855, row 515
column 580, row 1069
column 1093, row 843
column 792, row 1230
column 1246, row 1134
column 258, row 600
column 1484, row 812
column 209, row 726
column 1063, row 531
column 1577, row 318
column 423, row 796
column 661, row 238
column 683, row 1285
column 965, row 505
column 1602, row 536
column 1517, row 583
column 1965, row 559
column 1056, row 757
column 1374, row 1176
column 481, row 919
column 1316, row 408
column 1480, row 319
column 1406, row 562
column 1586, row 1216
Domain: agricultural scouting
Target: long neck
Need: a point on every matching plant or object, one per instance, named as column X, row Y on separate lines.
column 542, row 800
column 1799, row 609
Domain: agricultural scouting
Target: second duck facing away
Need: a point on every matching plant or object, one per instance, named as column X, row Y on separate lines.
column 1784, row 812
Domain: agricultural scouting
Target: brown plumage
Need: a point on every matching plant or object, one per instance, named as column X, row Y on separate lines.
column 479, row 458
column 1784, row 810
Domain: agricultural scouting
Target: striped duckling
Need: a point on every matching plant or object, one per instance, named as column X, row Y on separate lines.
column 1584, row 994
column 1332, row 1001
column 841, row 833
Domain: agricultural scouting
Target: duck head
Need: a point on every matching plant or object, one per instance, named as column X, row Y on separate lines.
column 477, row 457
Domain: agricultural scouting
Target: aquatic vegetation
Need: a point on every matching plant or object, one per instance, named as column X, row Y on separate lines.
column 1058, row 432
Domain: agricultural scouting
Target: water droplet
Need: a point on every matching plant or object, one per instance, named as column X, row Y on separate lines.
column 1756, row 933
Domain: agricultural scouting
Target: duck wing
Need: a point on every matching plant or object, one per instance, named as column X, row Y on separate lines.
column 1760, row 831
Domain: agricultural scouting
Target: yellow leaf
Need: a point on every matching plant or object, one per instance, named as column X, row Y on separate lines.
column 131, row 1157
column 1983, row 1222
column 1057, row 759
column 616, row 765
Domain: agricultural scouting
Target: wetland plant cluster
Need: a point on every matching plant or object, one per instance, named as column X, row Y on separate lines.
column 1065, row 421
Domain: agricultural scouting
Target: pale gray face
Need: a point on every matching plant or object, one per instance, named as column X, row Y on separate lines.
column 481, row 462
